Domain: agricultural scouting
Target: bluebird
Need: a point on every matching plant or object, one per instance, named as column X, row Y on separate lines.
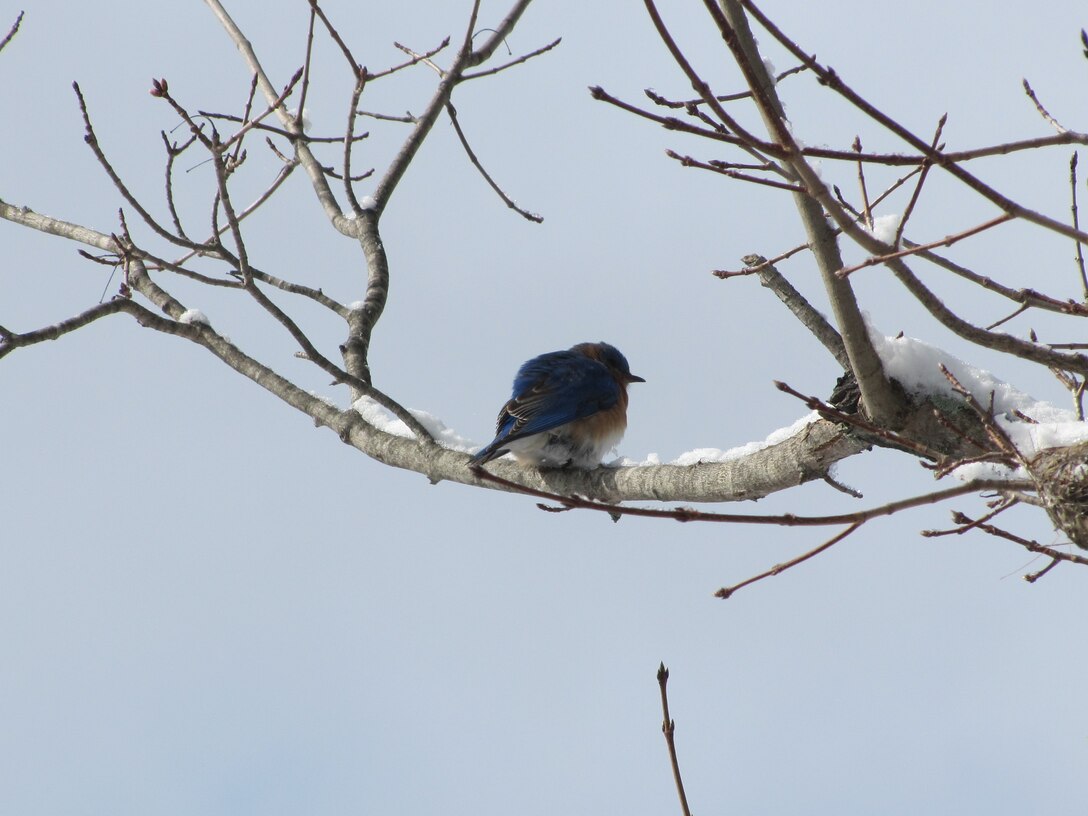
column 567, row 408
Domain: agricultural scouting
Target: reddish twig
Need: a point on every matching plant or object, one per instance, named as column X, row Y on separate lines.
column 918, row 187
column 965, row 525
column 834, row 414
column 668, row 728
column 1029, row 544
column 688, row 514
column 948, row 240
column 830, row 78
column 726, row 592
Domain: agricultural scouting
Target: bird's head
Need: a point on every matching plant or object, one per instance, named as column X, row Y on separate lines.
column 612, row 358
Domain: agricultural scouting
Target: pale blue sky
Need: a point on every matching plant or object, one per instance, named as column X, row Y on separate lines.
column 208, row 606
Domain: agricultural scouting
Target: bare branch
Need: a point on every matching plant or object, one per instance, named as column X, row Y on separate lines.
column 719, row 167
column 668, row 727
column 727, row 592
column 499, row 33
column 936, row 142
column 995, row 340
column 524, row 58
column 357, row 91
column 832, row 80
column 415, row 60
column 810, row 318
column 1042, row 111
column 687, row 514
column 657, row 99
column 529, row 216
column 12, row 31
column 355, row 65
column 880, row 400
column 888, row 437
column 948, row 240
column 866, row 208
column 92, row 141
column 306, row 158
column 1076, row 223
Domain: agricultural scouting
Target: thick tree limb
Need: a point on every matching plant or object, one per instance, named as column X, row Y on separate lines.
column 880, row 400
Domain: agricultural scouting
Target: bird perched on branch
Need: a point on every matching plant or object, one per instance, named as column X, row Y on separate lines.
column 567, row 408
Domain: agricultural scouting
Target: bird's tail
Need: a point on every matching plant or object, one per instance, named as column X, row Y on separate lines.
column 487, row 453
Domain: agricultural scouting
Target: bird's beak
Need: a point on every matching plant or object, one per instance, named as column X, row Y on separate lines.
column 634, row 378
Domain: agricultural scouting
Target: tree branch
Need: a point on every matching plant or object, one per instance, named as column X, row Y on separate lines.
column 880, row 400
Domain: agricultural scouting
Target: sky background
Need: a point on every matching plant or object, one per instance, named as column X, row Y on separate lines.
column 209, row 606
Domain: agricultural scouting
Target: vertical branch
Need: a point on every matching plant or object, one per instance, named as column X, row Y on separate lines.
column 1076, row 223
column 306, row 157
column 926, row 164
column 866, row 208
column 349, row 138
column 668, row 727
column 880, row 400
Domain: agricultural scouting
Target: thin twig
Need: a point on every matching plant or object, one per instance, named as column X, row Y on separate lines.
column 92, row 141
column 12, row 31
column 810, row 317
column 835, row 415
column 1030, row 544
column 668, row 728
column 830, row 78
column 1018, row 311
column 997, row 434
column 689, row 514
column 530, row 216
column 294, row 137
column 172, row 152
column 657, row 99
column 1032, row 577
column 407, row 119
column 356, row 92
column 759, row 267
column 726, row 592
column 415, row 60
column 718, row 167
column 335, row 36
column 948, row 240
column 865, row 207
column 918, row 187
column 1042, row 110
column 307, row 63
column 1076, row 223
column 518, row 61
column 964, row 525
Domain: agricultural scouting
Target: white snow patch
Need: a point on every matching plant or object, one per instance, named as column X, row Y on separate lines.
column 356, row 305
column 368, row 202
column 771, row 72
column 915, row 365
column 383, row 419
column 885, row 227
column 194, row 316
column 699, row 455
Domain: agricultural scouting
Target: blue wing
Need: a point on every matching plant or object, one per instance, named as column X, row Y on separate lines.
column 552, row 390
